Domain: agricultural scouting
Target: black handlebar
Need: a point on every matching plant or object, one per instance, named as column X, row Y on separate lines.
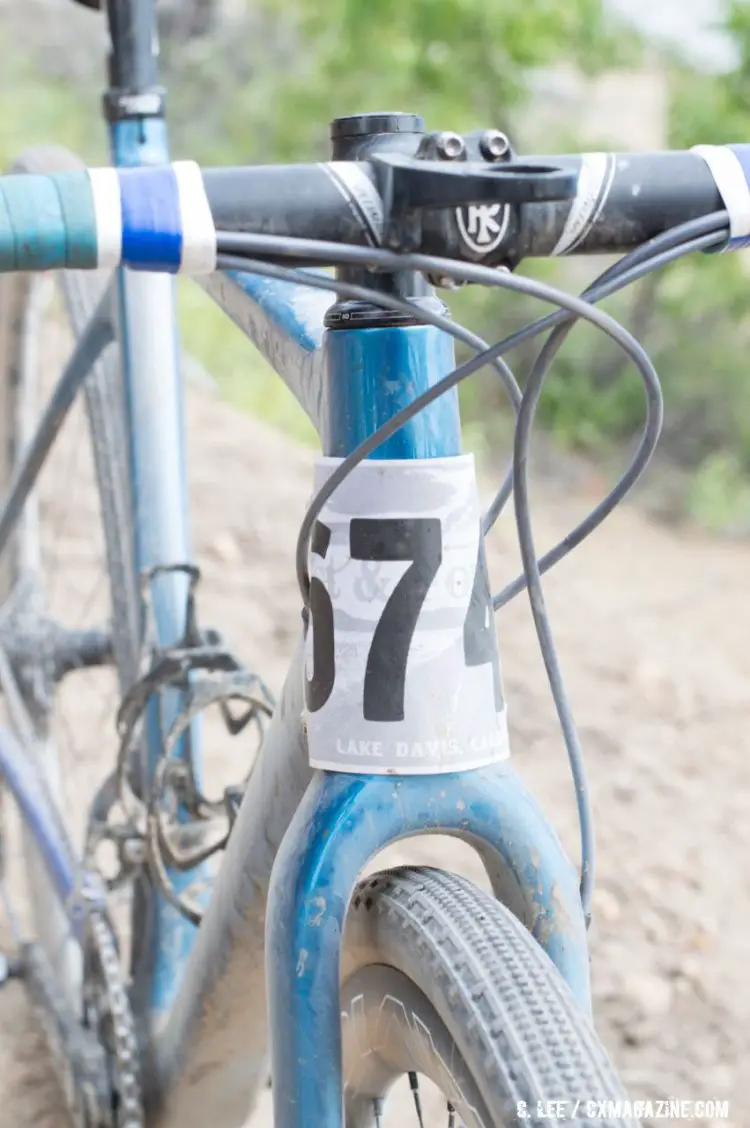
column 303, row 201
column 615, row 203
column 622, row 201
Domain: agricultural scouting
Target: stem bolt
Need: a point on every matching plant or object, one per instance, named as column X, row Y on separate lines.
column 494, row 145
column 449, row 146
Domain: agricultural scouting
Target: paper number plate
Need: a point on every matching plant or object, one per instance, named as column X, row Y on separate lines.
column 402, row 673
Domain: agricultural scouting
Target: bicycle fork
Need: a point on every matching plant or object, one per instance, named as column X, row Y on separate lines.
column 346, row 817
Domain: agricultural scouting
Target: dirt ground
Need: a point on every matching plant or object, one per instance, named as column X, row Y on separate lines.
column 652, row 627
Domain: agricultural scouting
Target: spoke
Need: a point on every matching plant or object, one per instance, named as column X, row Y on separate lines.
column 414, row 1085
column 19, row 714
column 67, row 471
column 10, row 915
column 90, row 600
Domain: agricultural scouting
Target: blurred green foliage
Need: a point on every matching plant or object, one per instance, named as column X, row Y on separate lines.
column 264, row 84
column 461, row 63
column 694, row 320
column 39, row 112
column 298, row 63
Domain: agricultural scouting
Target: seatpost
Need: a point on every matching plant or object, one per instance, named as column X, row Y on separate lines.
column 133, row 61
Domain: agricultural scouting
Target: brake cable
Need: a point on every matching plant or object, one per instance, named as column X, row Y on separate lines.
column 696, row 235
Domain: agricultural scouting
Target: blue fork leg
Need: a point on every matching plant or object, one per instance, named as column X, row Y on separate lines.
column 343, row 821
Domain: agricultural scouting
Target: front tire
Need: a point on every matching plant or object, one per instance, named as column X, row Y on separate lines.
column 442, row 980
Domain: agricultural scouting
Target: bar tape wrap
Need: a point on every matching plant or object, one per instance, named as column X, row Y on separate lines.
column 46, row 222
column 154, row 218
column 150, row 218
column 730, row 168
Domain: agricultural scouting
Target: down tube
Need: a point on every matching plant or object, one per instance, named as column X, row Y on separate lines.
column 155, row 416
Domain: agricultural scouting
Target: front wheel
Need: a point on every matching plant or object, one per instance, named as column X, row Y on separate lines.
column 441, row 982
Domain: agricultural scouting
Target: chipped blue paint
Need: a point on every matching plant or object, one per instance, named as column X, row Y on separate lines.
column 373, row 373
column 134, row 142
column 342, row 822
column 297, row 311
column 285, row 323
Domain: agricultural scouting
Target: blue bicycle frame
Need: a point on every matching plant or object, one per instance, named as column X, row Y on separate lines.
column 301, row 838
column 351, row 382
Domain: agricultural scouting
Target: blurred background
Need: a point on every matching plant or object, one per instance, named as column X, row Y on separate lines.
column 258, row 80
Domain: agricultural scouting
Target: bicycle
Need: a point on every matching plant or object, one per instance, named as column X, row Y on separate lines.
column 392, row 721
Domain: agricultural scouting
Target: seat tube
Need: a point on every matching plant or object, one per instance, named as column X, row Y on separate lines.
column 147, row 327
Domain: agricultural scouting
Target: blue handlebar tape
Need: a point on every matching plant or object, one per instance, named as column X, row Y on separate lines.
column 151, row 218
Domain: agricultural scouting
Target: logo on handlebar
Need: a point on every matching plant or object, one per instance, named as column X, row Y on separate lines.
column 483, row 226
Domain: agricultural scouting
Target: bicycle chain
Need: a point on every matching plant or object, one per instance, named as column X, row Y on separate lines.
column 78, row 1059
column 99, row 1076
column 126, row 1082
